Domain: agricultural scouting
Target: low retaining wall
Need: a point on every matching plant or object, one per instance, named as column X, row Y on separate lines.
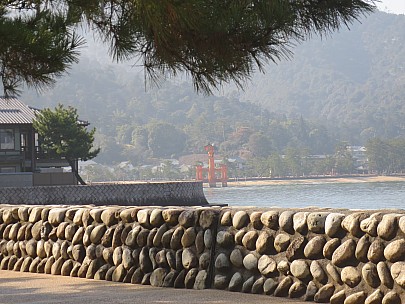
column 134, row 194
column 316, row 255
column 22, row 179
column 322, row 256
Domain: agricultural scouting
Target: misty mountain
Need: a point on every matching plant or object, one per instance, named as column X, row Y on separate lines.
column 353, row 81
column 346, row 87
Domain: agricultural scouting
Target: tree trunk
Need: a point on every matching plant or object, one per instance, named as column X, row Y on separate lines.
column 75, row 170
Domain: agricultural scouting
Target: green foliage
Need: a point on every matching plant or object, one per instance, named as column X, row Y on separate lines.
column 170, row 36
column 61, row 132
column 344, row 162
column 386, row 156
column 176, row 36
column 165, row 140
column 276, row 166
column 259, row 144
column 35, row 49
column 293, row 161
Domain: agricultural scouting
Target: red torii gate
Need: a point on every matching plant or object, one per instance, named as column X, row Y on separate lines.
column 212, row 170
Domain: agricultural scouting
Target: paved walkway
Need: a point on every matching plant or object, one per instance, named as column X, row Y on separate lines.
column 19, row 288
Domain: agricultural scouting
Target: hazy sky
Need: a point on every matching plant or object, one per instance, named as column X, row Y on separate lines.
column 392, row 6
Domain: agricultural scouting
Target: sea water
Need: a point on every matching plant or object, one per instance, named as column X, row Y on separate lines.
column 367, row 195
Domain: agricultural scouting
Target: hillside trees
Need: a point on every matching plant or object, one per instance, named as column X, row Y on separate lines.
column 165, row 140
column 386, row 156
column 344, row 162
column 123, row 122
column 348, row 83
column 169, row 37
column 260, row 145
column 276, row 166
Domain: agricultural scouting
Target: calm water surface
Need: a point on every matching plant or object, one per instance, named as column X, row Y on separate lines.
column 385, row 195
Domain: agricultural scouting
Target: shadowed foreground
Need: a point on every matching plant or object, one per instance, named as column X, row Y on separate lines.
column 17, row 287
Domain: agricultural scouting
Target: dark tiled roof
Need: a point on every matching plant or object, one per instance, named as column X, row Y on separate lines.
column 13, row 111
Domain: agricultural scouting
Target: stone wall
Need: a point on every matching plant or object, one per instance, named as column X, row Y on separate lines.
column 133, row 194
column 347, row 257
column 22, row 179
column 54, row 179
column 170, row 247
column 322, row 256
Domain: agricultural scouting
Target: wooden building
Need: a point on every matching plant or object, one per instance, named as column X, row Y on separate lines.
column 21, row 158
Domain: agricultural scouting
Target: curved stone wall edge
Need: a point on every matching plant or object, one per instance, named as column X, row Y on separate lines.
column 320, row 255
column 141, row 194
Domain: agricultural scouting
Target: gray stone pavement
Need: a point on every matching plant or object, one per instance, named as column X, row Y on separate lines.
column 19, row 288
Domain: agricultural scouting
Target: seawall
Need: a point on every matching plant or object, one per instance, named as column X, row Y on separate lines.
column 126, row 194
column 326, row 256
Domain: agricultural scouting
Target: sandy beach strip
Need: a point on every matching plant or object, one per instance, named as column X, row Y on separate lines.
column 358, row 179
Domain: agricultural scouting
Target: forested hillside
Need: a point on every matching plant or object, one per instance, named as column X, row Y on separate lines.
column 349, row 87
column 353, row 82
column 136, row 125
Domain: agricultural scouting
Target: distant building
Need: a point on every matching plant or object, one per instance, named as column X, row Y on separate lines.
column 359, row 154
column 193, row 159
column 22, row 161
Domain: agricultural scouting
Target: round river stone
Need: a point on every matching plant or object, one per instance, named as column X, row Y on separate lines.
column 398, row 273
column 351, row 223
column 384, row 274
column 316, row 221
column 350, row 276
column 330, row 248
column 362, row 248
column 250, row 261
column 222, row 261
column 370, row 275
column 344, row 253
column 300, row 269
column 236, row 282
column 236, row 258
column 376, row 251
column 387, row 228
column 255, row 220
column 300, row 221
column 226, row 218
column 283, row 267
column 395, row 251
column 401, row 223
column 333, row 224
column 369, row 225
column 391, row 298
column 285, row 221
column 356, row 298
column 224, row 239
column 324, row 293
column 207, row 218
column 189, row 259
column 266, row 265
column 187, row 219
column 317, row 272
column 375, row 297
column 240, row 219
column 270, row 219
column 249, row 240
column 281, row 242
column 264, row 243
column 314, row 247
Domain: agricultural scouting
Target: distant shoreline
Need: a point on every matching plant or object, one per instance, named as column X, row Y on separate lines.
column 321, row 180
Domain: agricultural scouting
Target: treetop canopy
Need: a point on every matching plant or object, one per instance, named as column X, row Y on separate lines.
column 214, row 42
